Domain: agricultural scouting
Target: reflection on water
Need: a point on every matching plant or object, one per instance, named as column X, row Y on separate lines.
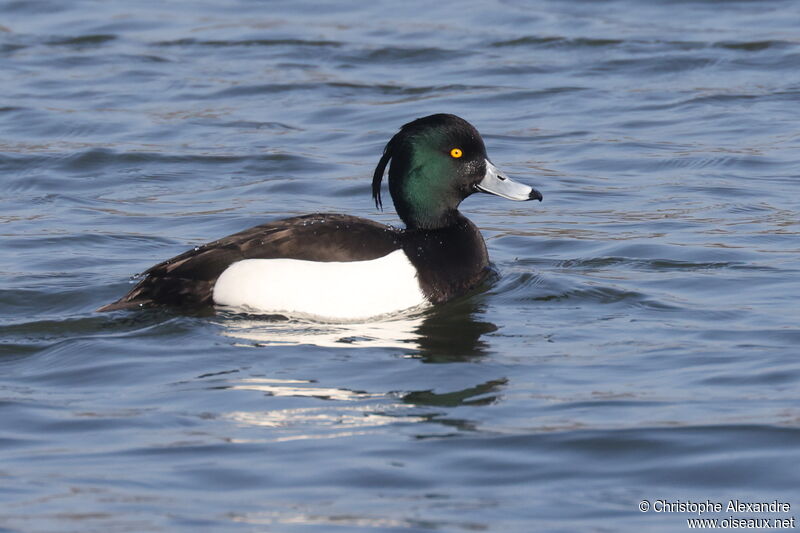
column 348, row 411
column 353, row 412
column 399, row 332
column 292, row 387
column 439, row 335
column 483, row 394
column 319, row 423
column 455, row 332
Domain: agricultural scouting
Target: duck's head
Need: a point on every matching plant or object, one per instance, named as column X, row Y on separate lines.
column 436, row 162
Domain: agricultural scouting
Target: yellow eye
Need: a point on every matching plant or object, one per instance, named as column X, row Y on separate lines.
column 456, row 152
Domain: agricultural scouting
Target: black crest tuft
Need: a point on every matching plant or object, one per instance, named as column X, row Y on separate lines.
column 377, row 177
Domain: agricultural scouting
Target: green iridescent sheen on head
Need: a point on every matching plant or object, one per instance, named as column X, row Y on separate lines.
column 426, row 182
column 428, row 178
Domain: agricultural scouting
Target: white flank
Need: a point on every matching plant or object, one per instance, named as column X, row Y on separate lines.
column 344, row 291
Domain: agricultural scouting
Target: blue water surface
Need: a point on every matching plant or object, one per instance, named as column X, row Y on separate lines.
column 640, row 341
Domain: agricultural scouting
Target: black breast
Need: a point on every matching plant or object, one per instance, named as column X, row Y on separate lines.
column 450, row 261
column 189, row 278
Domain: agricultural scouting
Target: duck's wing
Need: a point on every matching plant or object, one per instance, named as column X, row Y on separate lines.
column 188, row 279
